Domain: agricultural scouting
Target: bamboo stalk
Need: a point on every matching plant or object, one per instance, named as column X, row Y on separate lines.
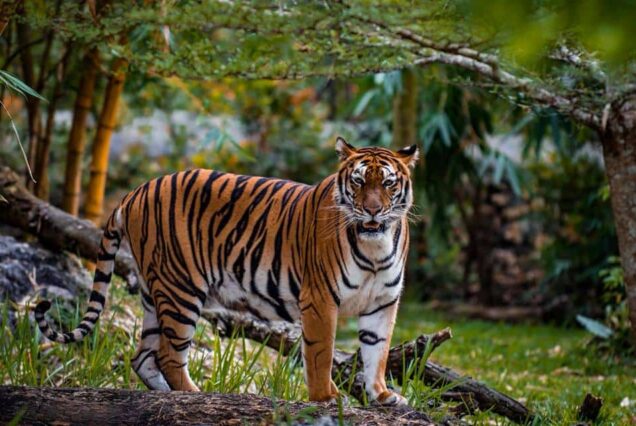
column 77, row 136
column 101, row 144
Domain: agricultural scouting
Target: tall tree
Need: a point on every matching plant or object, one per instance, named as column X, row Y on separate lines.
column 44, row 144
column 33, row 103
column 37, row 131
column 93, row 207
column 77, row 135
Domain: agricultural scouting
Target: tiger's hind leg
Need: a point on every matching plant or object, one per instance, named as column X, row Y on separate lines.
column 177, row 322
column 318, row 334
column 145, row 360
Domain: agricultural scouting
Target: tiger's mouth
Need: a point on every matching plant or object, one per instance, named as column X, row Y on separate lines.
column 371, row 227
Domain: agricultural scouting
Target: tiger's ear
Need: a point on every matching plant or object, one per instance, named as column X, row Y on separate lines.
column 343, row 149
column 409, row 155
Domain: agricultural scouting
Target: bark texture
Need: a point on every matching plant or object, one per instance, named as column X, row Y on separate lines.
column 619, row 152
column 128, row 407
column 54, row 228
column 93, row 207
column 77, row 136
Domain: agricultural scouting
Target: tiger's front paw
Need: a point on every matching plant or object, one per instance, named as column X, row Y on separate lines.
column 340, row 399
column 390, row 398
column 329, row 396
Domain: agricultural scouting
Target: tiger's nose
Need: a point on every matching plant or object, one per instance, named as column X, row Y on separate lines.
column 373, row 209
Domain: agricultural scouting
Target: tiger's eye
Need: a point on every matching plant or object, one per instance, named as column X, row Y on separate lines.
column 357, row 180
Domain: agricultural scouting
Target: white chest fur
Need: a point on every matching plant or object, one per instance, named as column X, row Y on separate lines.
column 372, row 285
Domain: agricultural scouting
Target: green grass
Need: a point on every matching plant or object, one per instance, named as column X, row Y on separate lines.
column 548, row 368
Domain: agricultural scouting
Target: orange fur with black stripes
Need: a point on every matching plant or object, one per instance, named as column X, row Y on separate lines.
column 278, row 249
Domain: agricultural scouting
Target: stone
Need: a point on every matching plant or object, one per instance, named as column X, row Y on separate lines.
column 26, row 268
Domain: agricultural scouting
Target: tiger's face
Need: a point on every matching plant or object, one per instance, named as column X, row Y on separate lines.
column 374, row 186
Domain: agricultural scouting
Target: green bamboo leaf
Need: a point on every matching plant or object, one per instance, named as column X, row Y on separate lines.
column 513, row 177
column 17, row 85
column 499, row 168
column 364, row 102
column 443, row 125
column 556, row 131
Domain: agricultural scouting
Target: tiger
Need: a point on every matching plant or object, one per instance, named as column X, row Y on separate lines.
column 277, row 249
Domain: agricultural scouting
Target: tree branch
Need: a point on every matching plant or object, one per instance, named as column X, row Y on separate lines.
column 567, row 55
column 487, row 65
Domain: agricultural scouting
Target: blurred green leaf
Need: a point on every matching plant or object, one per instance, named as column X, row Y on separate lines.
column 364, row 102
column 595, row 327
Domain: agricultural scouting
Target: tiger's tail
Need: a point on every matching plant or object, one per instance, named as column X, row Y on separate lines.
column 111, row 240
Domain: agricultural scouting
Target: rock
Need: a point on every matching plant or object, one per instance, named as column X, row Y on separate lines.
column 27, row 267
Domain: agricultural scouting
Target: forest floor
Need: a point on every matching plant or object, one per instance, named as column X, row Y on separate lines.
column 548, row 368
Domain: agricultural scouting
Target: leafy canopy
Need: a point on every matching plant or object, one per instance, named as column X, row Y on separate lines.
column 574, row 56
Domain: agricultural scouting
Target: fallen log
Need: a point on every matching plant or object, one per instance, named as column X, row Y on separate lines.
column 471, row 393
column 61, row 231
column 54, row 228
column 513, row 314
column 28, row 405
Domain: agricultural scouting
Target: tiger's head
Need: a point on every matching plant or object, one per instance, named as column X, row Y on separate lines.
column 374, row 186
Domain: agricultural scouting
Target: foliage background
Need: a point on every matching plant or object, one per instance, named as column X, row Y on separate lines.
column 194, row 83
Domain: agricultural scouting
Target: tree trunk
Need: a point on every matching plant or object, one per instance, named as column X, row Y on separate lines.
column 44, row 145
column 33, row 104
column 132, row 407
column 619, row 153
column 405, row 134
column 77, row 136
column 405, row 111
column 101, row 144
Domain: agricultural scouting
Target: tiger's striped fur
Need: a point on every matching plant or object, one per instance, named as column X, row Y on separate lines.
column 278, row 249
